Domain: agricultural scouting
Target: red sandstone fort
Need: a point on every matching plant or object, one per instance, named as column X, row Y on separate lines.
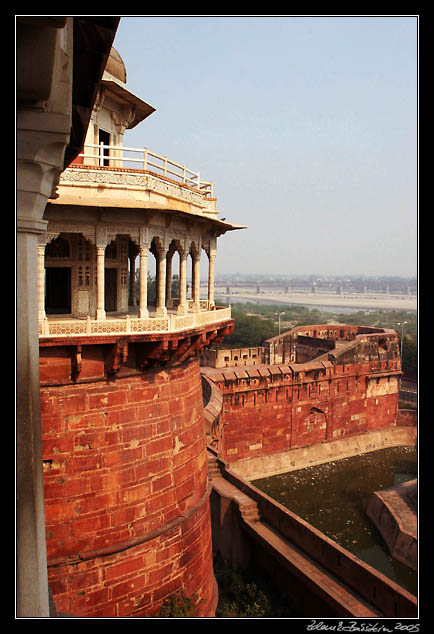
column 137, row 440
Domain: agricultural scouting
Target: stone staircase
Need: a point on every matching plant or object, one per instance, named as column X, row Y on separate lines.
column 250, row 512
column 213, row 467
column 310, row 573
column 341, row 599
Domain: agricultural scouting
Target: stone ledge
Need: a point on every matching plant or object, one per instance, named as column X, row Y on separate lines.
column 394, row 513
column 282, row 462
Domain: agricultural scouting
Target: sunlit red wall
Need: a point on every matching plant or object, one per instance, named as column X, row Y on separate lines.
column 126, row 487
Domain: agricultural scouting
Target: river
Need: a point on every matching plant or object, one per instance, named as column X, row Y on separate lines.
column 328, row 302
column 327, row 309
column 332, row 497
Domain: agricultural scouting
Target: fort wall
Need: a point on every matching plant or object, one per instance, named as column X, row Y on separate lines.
column 350, row 389
column 321, row 453
column 126, row 485
column 273, row 409
column 337, row 398
column 407, row 418
column 318, row 575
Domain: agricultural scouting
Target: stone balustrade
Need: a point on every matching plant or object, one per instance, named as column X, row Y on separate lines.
column 130, row 325
column 114, row 182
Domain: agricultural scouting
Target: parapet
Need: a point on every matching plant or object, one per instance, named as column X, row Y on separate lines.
column 339, row 344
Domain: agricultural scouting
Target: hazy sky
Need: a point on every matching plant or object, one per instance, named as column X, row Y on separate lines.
column 307, row 125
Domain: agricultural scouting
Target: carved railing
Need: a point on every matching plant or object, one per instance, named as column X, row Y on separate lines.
column 142, row 158
column 131, row 325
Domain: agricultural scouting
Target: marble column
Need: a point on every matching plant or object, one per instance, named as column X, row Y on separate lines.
column 100, row 274
column 196, row 281
column 143, row 297
column 132, row 292
column 161, row 282
column 211, row 270
column 182, row 306
column 169, row 258
column 41, row 281
column 43, row 124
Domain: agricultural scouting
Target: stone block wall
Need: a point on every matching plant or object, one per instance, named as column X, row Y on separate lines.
column 275, row 408
column 126, row 487
column 407, row 418
column 232, row 357
column 280, row 410
column 323, row 578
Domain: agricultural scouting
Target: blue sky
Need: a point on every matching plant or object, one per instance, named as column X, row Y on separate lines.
column 307, row 125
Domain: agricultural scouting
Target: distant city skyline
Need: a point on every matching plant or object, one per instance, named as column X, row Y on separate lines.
column 308, row 126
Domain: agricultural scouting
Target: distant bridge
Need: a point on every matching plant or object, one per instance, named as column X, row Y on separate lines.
column 287, row 287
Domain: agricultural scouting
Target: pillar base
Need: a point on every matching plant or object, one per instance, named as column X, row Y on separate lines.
column 143, row 313
column 161, row 311
column 182, row 309
column 100, row 315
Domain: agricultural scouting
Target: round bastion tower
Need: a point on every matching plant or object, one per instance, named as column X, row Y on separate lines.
column 124, row 445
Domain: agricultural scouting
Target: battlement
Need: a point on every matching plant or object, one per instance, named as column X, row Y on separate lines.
column 341, row 383
column 339, row 345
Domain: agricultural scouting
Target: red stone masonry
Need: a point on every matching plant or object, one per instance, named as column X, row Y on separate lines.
column 351, row 389
column 126, row 485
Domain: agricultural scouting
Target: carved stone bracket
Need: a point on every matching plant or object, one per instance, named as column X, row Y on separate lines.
column 117, row 355
column 176, row 350
column 133, row 354
column 76, row 363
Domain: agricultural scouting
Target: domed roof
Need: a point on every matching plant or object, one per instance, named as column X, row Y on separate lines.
column 115, row 66
column 114, row 80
